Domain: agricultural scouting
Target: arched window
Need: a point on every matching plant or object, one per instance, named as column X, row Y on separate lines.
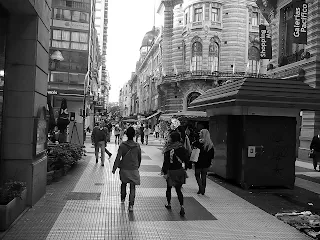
column 196, row 56
column 254, row 58
column 213, row 61
column 192, row 96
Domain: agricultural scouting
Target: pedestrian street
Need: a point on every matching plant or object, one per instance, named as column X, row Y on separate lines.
column 85, row 204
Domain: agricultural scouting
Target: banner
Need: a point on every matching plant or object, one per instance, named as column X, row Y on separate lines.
column 300, row 18
column 265, row 42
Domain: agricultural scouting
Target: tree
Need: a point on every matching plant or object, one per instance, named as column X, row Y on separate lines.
column 114, row 112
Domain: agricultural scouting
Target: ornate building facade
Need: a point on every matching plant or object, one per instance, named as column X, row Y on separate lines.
column 205, row 43
column 291, row 60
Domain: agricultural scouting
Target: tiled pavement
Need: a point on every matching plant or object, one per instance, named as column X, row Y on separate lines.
column 85, row 204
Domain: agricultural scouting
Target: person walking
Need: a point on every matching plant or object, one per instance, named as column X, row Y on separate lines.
column 128, row 160
column 172, row 169
column 117, row 134
column 147, row 131
column 204, row 160
column 142, row 133
column 315, row 148
column 106, row 131
column 156, row 130
column 99, row 139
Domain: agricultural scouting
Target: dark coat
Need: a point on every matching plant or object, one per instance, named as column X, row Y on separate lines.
column 315, row 143
column 205, row 156
column 182, row 153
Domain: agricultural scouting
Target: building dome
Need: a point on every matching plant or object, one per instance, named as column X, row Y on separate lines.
column 149, row 37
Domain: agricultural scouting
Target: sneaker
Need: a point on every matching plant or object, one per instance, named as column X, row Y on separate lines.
column 130, row 208
column 182, row 212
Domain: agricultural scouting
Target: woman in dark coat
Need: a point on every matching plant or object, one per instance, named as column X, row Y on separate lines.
column 315, row 147
column 174, row 157
column 204, row 160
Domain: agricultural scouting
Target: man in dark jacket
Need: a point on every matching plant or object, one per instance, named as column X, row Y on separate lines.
column 128, row 160
column 99, row 138
column 315, row 147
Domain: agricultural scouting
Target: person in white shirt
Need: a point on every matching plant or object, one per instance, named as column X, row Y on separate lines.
column 146, row 132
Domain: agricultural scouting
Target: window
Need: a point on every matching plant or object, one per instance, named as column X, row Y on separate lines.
column 57, row 13
column 198, row 14
column 255, row 19
column 66, row 14
column 213, row 61
column 196, row 56
column 184, row 52
column 186, row 18
column 76, row 16
column 215, row 14
column 84, row 17
column 254, row 58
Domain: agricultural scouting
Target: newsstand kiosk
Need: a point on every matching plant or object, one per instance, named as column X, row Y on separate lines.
column 254, row 125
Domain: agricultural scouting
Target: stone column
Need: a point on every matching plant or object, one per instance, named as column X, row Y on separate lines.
column 25, row 92
column 167, row 37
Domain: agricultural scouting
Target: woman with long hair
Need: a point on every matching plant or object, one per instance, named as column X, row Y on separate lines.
column 174, row 157
column 204, row 160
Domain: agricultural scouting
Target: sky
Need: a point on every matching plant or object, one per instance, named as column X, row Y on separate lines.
column 129, row 20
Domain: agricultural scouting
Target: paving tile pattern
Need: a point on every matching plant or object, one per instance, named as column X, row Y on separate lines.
column 220, row 214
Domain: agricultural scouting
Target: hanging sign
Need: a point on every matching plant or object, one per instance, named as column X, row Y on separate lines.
column 300, row 18
column 265, row 42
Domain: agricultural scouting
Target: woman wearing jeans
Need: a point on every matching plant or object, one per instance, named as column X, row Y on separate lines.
column 128, row 160
column 174, row 155
column 204, row 160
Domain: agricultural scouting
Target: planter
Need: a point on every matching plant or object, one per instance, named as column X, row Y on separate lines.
column 10, row 212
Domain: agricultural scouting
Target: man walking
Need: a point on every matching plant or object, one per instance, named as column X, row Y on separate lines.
column 99, row 139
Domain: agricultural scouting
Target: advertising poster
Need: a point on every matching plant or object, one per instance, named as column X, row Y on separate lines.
column 300, row 18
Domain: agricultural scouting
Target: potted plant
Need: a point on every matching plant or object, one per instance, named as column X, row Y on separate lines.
column 13, row 197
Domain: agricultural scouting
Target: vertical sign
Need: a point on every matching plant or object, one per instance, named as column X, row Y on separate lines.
column 300, row 18
column 265, row 42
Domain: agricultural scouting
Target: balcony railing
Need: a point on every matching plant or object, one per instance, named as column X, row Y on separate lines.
column 213, row 75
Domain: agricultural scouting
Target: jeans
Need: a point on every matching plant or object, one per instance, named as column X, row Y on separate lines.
column 100, row 145
column 132, row 194
column 201, row 177
column 179, row 193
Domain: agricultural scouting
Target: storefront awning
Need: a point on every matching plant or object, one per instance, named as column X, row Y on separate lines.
column 185, row 114
column 153, row 115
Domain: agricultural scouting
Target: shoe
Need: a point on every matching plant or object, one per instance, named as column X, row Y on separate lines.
column 168, row 206
column 96, row 160
column 123, row 200
column 110, row 155
column 130, row 208
column 102, row 165
column 199, row 192
column 182, row 212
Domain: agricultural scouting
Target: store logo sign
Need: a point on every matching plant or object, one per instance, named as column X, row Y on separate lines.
column 300, row 18
column 69, row 24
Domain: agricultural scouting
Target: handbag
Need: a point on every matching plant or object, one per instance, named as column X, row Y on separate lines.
column 194, row 155
column 312, row 154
